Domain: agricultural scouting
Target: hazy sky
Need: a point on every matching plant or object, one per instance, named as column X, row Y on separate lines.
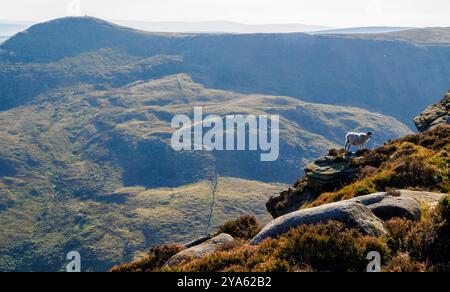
column 334, row 13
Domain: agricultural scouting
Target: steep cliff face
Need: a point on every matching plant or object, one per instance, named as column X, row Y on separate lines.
column 435, row 115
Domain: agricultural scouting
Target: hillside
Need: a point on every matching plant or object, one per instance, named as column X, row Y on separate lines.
column 431, row 35
column 362, row 30
column 391, row 77
column 408, row 228
column 86, row 106
column 90, row 158
column 393, row 200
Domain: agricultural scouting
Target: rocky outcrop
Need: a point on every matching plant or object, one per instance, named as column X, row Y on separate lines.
column 202, row 250
column 423, row 198
column 352, row 213
column 420, row 197
column 435, row 115
column 386, row 206
column 197, row 242
column 397, row 207
column 365, row 213
column 329, row 172
column 323, row 175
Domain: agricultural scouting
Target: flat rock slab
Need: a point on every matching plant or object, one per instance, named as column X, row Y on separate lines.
column 352, row 214
column 197, row 241
column 397, row 207
column 406, row 205
column 202, row 250
column 426, row 198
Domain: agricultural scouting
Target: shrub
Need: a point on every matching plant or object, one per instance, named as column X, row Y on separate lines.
column 393, row 192
column 398, row 232
column 376, row 157
column 329, row 247
column 412, row 172
column 366, row 172
column 362, row 152
column 244, row 258
column 362, row 191
column 435, row 139
column 246, row 227
column 444, row 209
column 403, row 263
column 426, row 241
column 333, row 152
column 156, row 258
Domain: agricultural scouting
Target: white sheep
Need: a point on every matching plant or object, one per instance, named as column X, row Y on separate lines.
column 356, row 139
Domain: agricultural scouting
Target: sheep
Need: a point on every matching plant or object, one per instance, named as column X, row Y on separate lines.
column 356, row 139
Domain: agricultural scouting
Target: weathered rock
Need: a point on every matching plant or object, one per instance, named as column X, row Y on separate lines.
column 324, row 175
column 197, row 241
column 435, row 115
column 426, row 198
column 290, row 200
column 364, row 213
column 406, row 205
column 329, row 171
column 421, row 197
column 202, row 250
column 353, row 214
column 397, row 207
column 370, row 199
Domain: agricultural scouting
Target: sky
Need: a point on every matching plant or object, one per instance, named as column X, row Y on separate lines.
column 330, row 13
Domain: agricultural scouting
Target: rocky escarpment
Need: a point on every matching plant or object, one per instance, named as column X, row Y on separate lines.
column 435, row 115
column 323, row 175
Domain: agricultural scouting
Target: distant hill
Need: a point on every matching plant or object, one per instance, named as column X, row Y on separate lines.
column 432, row 35
column 218, row 27
column 395, row 78
column 361, row 30
column 11, row 28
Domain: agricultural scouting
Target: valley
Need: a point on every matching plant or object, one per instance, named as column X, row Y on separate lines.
column 86, row 161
